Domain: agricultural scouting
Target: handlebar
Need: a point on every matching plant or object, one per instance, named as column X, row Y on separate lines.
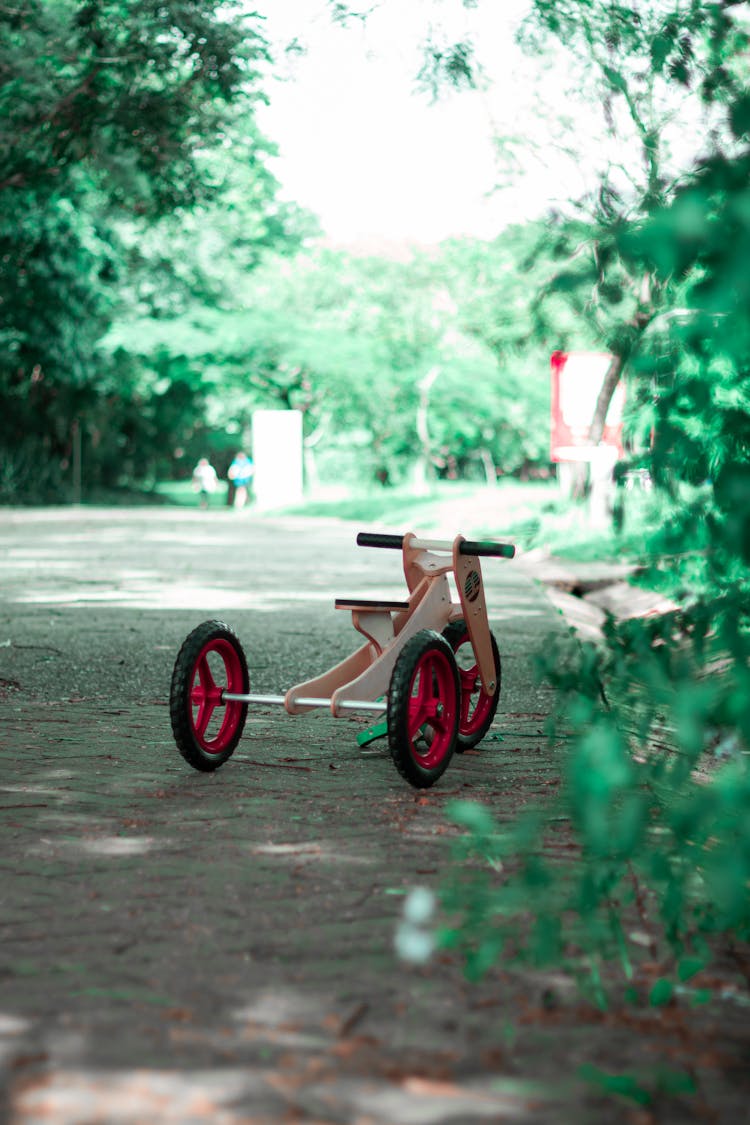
column 372, row 539
column 487, row 547
column 482, row 547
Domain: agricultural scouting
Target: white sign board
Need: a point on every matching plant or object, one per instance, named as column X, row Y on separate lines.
column 277, row 455
column 577, row 379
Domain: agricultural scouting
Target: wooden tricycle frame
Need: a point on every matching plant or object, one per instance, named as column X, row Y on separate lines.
column 408, row 658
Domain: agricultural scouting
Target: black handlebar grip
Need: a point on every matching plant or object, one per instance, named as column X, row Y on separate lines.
column 373, row 539
column 487, row 548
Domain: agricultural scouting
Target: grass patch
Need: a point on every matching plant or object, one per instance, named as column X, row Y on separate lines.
column 397, row 507
column 597, row 546
column 180, row 494
column 562, row 528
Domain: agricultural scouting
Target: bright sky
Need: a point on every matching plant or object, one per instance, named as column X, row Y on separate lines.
column 374, row 158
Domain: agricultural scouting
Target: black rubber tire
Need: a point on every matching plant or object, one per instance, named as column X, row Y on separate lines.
column 471, row 733
column 203, row 751
column 422, row 754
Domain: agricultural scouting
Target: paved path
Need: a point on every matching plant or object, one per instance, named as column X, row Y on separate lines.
column 178, row 947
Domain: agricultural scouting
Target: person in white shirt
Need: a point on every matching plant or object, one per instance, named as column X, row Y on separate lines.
column 205, row 480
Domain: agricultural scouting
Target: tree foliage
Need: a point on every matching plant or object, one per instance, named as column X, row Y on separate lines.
column 136, row 209
column 348, row 339
column 105, row 108
column 656, row 788
column 660, row 69
column 121, row 92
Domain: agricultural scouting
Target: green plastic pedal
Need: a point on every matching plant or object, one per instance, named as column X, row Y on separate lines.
column 374, row 732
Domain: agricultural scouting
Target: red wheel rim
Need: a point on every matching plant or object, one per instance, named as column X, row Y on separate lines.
column 475, row 703
column 214, row 721
column 432, row 709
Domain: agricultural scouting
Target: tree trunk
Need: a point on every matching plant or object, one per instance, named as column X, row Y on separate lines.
column 609, row 386
column 489, row 466
column 647, row 307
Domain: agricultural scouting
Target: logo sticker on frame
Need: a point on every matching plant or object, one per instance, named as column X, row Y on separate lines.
column 471, row 586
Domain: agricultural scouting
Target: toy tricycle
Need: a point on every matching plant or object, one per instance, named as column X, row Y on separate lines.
column 434, row 660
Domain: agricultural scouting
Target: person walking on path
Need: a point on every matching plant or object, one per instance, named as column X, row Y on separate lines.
column 205, row 481
column 240, row 474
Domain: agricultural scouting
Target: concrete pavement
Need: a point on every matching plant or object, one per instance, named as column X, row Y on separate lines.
column 180, row 947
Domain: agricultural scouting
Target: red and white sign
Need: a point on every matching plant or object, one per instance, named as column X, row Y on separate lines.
column 577, row 379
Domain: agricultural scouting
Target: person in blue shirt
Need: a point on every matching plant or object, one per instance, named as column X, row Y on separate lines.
column 241, row 474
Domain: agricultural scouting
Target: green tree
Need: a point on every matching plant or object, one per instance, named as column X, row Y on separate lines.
column 660, row 69
column 495, row 287
column 663, row 831
column 350, row 340
column 105, row 108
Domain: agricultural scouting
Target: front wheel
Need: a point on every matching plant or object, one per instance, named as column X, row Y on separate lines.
column 477, row 708
column 207, row 727
column 423, row 708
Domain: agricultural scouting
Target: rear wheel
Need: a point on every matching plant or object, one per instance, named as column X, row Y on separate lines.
column 207, row 727
column 423, row 705
column 477, row 708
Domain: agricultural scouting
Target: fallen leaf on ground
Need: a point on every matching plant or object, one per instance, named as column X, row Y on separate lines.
column 429, row 1087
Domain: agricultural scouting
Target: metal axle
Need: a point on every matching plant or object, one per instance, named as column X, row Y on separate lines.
column 279, row 701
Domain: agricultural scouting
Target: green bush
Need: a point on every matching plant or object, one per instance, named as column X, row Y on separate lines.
column 654, row 802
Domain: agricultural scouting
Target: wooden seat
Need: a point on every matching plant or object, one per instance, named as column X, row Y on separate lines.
column 373, row 606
